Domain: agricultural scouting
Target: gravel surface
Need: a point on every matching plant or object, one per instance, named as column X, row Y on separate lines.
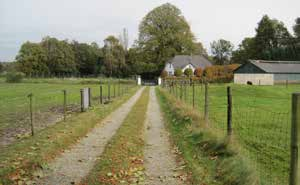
column 159, row 160
column 74, row 164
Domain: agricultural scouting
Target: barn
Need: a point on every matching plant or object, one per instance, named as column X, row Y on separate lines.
column 262, row 72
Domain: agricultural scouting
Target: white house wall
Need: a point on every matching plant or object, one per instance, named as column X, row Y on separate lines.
column 189, row 66
column 256, row 79
column 169, row 68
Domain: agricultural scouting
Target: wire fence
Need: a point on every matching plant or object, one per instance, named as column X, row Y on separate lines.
column 45, row 105
column 258, row 117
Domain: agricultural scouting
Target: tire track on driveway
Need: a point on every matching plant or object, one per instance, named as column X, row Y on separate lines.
column 75, row 163
column 159, row 160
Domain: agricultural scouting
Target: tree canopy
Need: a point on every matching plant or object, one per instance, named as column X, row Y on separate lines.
column 222, row 51
column 164, row 33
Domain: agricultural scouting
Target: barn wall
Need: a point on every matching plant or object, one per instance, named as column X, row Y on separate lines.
column 169, row 68
column 256, row 79
column 281, row 78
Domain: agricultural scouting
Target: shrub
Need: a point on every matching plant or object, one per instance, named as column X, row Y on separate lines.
column 198, row 72
column 188, row 72
column 14, row 77
column 220, row 73
column 164, row 74
column 178, row 72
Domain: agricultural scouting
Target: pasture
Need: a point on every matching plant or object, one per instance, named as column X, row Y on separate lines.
column 48, row 101
column 261, row 121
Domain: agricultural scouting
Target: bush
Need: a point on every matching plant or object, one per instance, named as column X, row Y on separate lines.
column 198, row 72
column 188, row 72
column 14, row 77
column 178, row 72
column 164, row 74
column 220, row 73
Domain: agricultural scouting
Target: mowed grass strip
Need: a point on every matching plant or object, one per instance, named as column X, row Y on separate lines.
column 122, row 159
column 19, row 160
column 210, row 158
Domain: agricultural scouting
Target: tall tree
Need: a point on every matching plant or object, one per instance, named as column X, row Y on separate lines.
column 297, row 28
column 86, row 57
column 222, row 51
column 163, row 33
column 32, row 59
column 114, row 57
column 245, row 51
column 60, row 56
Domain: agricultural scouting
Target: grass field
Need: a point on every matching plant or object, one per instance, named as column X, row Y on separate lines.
column 261, row 123
column 21, row 159
column 47, row 102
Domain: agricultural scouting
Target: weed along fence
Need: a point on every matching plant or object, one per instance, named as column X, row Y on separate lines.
column 39, row 108
column 259, row 118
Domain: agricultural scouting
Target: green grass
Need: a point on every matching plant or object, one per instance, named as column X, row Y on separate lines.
column 20, row 159
column 211, row 159
column 122, row 160
column 261, row 123
column 47, row 100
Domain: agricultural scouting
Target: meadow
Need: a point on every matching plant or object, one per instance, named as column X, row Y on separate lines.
column 48, row 101
column 260, row 119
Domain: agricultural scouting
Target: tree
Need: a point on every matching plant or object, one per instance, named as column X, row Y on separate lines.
column 178, row 72
column 114, row 57
column 297, row 28
column 1, row 67
column 199, row 49
column 245, row 51
column 270, row 34
column 198, row 72
column 222, row 51
column 164, row 33
column 188, row 72
column 32, row 59
column 86, row 57
column 60, row 56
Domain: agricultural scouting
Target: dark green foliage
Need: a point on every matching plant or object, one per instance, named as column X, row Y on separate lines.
column 60, row 56
column 178, row 72
column 1, row 67
column 32, row 59
column 297, row 28
column 14, row 77
column 164, row 33
column 188, row 72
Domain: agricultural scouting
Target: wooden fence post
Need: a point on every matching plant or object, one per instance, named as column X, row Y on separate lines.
column 31, row 113
column 229, row 112
column 114, row 90
column 206, row 104
column 193, row 94
column 286, row 83
column 108, row 89
column 90, row 97
column 81, row 100
column 65, row 104
column 101, row 95
column 295, row 128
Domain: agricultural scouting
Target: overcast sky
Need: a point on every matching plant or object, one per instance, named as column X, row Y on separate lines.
column 93, row 20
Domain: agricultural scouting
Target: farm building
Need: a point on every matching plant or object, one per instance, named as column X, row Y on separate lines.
column 184, row 62
column 261, row 72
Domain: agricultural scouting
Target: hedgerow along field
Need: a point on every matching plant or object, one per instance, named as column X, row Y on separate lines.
column 48, row 101
column 261, row 121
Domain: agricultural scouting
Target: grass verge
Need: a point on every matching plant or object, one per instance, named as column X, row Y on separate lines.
column 18, row 161
column 122, row 159
column 211, row 158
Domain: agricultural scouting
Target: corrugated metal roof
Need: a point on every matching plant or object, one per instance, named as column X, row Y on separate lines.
column 180, row 61
column 277, row 66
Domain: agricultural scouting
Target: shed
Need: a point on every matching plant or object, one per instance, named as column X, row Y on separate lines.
column 262, row 72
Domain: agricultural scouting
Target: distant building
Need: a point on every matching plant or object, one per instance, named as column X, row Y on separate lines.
column 184, row 62
column 261, row 72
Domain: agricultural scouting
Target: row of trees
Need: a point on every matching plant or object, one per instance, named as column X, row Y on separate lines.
column 163, row 33
column 272, row 41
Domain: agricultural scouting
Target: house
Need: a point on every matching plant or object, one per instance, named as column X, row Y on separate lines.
column 184, row 62
column 262, row 72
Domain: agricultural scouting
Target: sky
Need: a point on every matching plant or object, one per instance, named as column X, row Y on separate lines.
column 93, row 20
